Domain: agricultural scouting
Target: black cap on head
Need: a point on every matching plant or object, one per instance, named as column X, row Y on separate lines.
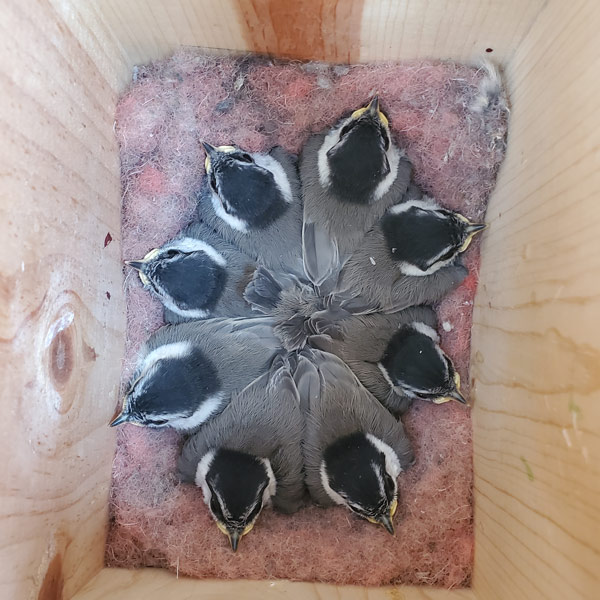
column 358, row 162
column 175, row 386
column 355, row 469
column 237, row 481
column 246, row 190
column 422, row 237
column 193, row 280
column 414, row 362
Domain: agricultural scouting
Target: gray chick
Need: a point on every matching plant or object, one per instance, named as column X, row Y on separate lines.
column 409, row 257
column 350, row 175
column 353, row 448
column 395, row 356
column 250, row 456
column 253, row 201
column 187, row 372
column 197, row 275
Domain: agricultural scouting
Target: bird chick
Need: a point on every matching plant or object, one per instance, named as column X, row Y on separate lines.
column 372, row 346
column 197, row 275
column 253, row 201
column 250, row 456
column 409, row 257
column 415, row 364
column 350, row 175
column 187, row 372
column 353, row 448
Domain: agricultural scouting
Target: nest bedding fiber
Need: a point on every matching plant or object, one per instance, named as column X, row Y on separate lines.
column 255, row 103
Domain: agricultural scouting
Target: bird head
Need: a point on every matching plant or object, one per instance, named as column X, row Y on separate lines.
column 188, row 276
column 236, row 487
column 415, row 364
column 249, row 191
column 175, row 385
column 356, row 153
column 423, row 237
column 359, row 471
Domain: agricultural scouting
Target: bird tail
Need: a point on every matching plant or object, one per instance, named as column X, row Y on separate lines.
column 264, row 290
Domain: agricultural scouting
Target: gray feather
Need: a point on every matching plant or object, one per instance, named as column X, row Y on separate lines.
column 341, row 406
column 240, row 268
column 264, row 419
column 375, row 278
column 361, row 342
column 333, row 229
column 240, row 348
column 278, row 246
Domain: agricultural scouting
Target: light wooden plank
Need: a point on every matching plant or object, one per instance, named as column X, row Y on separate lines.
column 447, row 29
column 61, row 338
column 156, row 584
column 536, row 330
column 365, row 30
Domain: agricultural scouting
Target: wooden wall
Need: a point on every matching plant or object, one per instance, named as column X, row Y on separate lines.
column 536, row 330
column 333, row 30
column 61, row 335
column 536, row 352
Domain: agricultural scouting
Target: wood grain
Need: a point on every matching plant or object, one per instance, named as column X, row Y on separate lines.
column 155, row 584
column 61, row 338
column 536, row 330
column 331, row 30
column 444, row 29
column 536, row 335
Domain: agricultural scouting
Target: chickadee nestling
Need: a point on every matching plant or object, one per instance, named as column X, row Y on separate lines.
column 187, row 372
column 396, row 356
column 197, row 275
column 250, row 456
column 409, row 257
column 253, row 200
column 350, row 175
column 353, row 447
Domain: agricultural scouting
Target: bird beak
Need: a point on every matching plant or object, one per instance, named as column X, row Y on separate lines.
column 454, row 395
column 234, row 539
column 386, row 521
column 210, row 150
column 472, row 230
column 373, row 106
column 136, row 264
column 120, row 419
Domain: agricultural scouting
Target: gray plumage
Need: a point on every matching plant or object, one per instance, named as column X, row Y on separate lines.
column 336, row 404
column 334, row 228
column 361, row 341
column 226, row 280
column 263, row 420
column 187, row 373
column 376, row 282
column 277, row 245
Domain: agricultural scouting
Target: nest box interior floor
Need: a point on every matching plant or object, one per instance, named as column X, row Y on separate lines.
column 256, row 104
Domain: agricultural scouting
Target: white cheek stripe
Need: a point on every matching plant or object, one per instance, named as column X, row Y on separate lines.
column 393, row 156
column 392, row 464
column 188, row 244
column 430, row 332
column 331, row 139
column 271, row 488
column 328, row 489
column 281, row 180
column 426, row 203
column 167, row 351
column 201, row 472
column 414, row 271
column 206, row 410
column 232, row 221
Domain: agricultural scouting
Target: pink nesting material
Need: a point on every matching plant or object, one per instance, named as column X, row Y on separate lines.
column 256, row 104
